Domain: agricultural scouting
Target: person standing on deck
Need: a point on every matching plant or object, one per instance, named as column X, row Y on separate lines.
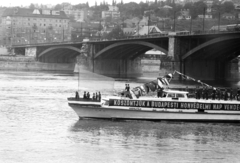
column 203, row 92
column 88, row 95
column 126, row 87
column 218, row 94
column 77, row 95
column 159, row 92
column 84, row 95
column 225, row 95
column 206, row 93
column 199, row 93
column 231, row 94
column 214, row 93
column 99, row 96
column 238, row 94
column 196, row 92
column 94, row 97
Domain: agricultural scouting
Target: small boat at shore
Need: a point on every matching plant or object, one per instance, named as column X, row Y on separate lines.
column 173, row 105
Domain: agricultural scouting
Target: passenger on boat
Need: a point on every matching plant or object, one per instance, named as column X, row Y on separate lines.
column 127, row 91
column 99, row 96
column 218, row 94
column 203, row 92
column 225, row 95
column 77, row 95
column 159, row 92
column 88, row 95
column 206, row 93
column 231, row 94
column 94, row 97
column 214, row 94
column 199, row 93
column 126, row 87
column 196, row 92
column 238, row 94
column 84, row 95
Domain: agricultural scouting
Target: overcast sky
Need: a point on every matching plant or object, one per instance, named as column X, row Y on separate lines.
column 12, row 3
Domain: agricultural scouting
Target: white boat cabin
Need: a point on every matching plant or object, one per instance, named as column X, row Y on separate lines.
column 175, row 94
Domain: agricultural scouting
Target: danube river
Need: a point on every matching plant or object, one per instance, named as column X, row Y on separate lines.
column 37, row 126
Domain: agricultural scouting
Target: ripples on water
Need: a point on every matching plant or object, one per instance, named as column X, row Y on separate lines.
column 38, row 126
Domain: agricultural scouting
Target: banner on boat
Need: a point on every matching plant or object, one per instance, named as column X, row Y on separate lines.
column 174, row 105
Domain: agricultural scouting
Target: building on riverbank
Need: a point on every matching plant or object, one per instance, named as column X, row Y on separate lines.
column 31, row 26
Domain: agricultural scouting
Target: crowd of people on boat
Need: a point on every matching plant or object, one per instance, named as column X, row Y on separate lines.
column 86, row 95
column 199, row 93
column 217, row 94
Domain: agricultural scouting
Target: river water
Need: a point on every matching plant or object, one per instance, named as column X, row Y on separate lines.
column 37, row 125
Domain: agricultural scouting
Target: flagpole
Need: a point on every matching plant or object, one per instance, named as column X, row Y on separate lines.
column 195, row 80
column 78, row 75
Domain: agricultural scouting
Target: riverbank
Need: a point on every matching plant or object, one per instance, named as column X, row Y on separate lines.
column 15, row 62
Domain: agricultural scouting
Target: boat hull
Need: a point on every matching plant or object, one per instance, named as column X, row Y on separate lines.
column 118, row 113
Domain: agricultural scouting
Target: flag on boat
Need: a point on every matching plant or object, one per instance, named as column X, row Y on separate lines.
column 164, row 80
column 152, row 86
column 160, row 83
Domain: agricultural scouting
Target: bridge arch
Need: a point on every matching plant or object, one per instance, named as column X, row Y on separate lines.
column 136, row 43
column 59, row 47
column 208, row 43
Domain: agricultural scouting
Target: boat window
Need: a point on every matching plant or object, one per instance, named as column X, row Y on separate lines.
column 171, row 95
column 180, row 95
column 106, row 103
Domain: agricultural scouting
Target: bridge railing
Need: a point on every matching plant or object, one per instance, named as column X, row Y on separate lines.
column 97, row 39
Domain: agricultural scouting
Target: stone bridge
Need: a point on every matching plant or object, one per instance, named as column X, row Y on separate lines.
column 203, row 56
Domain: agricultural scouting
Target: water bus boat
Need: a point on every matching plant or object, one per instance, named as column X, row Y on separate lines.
column 173, row 105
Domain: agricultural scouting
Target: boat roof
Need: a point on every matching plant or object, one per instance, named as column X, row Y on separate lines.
column 175, row 91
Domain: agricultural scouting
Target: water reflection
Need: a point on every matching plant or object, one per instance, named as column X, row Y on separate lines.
column 182, row 141
column 159, row 130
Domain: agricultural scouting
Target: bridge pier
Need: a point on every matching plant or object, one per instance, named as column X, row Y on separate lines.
column 196, row 68
column 118, row 68
column 173, row 61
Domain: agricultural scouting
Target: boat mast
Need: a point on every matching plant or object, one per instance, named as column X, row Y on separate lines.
column 78, row 75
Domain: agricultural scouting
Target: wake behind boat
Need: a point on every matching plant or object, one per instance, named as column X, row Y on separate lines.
column 167, row 104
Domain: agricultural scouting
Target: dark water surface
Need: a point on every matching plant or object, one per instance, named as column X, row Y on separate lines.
column 36, row 125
